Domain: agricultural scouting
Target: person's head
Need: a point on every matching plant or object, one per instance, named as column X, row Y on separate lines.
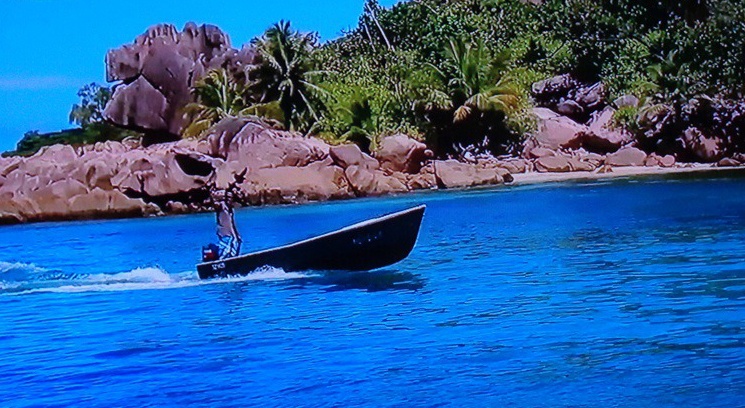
column 218, row 195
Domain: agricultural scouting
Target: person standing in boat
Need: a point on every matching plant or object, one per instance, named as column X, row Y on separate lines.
column 229, row 240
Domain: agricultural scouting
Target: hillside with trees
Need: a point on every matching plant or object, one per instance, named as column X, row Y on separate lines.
column 465, row 76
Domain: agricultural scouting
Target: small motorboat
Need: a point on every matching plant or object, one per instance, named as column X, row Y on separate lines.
column 365, row 246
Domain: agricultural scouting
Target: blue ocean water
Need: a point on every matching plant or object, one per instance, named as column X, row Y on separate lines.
column 616, row 294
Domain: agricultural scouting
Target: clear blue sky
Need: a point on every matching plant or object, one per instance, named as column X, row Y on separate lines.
column 51, row 48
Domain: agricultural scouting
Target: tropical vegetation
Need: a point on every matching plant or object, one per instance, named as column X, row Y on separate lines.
column 459, row 73
column 87, row 115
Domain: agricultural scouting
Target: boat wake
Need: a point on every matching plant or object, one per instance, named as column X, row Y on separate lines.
column 20, row 278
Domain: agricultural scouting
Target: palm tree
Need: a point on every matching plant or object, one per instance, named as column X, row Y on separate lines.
column 473, row 103
column 363, row 123
column 473, row 80
column 286, row 74
column 219, row 96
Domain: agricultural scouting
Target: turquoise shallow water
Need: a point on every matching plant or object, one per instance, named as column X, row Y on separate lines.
column 628, row 294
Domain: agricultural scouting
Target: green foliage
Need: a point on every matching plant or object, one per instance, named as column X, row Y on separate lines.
column 219, row 96
column 459, row 73
column 356, row 114
column 32, row 141
column 665, row 52
column 93, row 100
column 88, row 114
column 286, row 75
column 626, row 118
column 472, row 79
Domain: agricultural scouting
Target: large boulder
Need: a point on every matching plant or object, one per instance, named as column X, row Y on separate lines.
column 591, row 98
column 88, row 205
column 402, row 153
column 578, row 164
column 288, row 185
column 9, row 218
column 603, row 137
column 552, row 91
column 701, row 147
column 570, row 97
column 629, row 156
column 553, row 164
column 120, row 205
column 365, row 182
column 138, row 105
column 158, row 173
column 570, row 108
column 256, row 145
column 626, row 101
column 66, row 188
column 454, row 174
column 655, row 160
column 157, row 72
column 63, row 189
column 515, row 166
column 97, row 173
column 538, row 152
column 8, row 165
column 10, row 211
column 50, row 208
column 556, row 131
column 728, row 162
column 58, row 153
column 424, row 180
column 350, row 155
column 584, row 155
column 108, row 204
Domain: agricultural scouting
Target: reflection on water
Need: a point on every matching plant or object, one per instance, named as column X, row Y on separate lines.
column 376, row 281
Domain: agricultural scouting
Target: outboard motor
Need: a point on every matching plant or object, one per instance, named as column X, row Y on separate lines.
column 210, row 253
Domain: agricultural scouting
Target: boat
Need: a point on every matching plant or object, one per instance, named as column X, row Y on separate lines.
column 369, row 245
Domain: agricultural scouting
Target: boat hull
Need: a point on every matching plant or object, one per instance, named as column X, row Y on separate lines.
column 361, row 247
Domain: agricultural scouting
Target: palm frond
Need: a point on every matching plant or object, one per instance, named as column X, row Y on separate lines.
column 462, row 113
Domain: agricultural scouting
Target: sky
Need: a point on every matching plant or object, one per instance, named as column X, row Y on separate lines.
column 51, row 48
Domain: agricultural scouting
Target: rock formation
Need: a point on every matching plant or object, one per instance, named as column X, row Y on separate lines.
column 570, row 97
column 157, row 72
column 125, row 179
column 114, row 179
column 401, row 153
column 630, row 156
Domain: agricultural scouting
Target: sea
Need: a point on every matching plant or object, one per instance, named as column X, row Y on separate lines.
column 622, row 293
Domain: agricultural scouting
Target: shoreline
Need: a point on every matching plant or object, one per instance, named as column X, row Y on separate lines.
column 520, row 179
column 535, row 178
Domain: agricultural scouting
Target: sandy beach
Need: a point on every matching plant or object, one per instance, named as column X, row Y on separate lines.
column 624, row 172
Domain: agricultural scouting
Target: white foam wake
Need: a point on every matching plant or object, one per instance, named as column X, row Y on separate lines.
column 10, row 267
column 26, row 278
